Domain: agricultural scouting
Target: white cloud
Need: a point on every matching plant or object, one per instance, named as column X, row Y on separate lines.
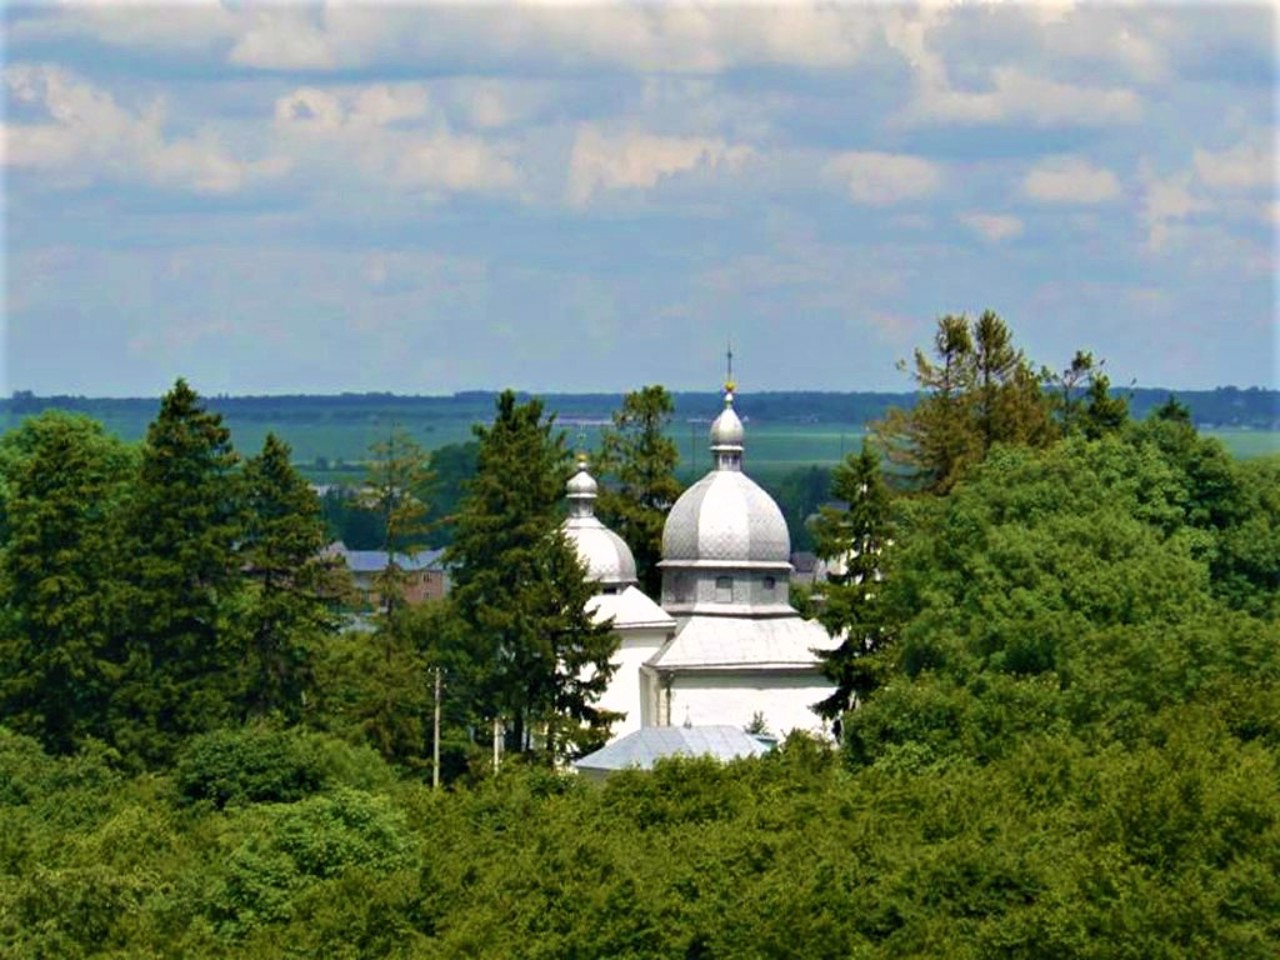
column 91, row 137
column 281, row 38
column 1246, row 166
column 455, row 163
column 883, row 179
column 1166, row 203
column 1013, row 94
column 640, row 161
column 993, row 227
column 1070, row 180
column 389, row 134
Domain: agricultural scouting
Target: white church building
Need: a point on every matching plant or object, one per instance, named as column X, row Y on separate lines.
column 725, row 647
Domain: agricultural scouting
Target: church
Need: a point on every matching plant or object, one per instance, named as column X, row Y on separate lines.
column 723, row 647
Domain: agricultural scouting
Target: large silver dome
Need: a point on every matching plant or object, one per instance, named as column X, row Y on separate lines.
column 726, row 518
column 606, row 555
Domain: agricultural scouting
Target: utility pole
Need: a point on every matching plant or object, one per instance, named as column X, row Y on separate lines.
column 435, row 738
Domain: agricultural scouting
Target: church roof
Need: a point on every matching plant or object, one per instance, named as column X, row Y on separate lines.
column 629, row 608
column 641, row 749
column 715, row 642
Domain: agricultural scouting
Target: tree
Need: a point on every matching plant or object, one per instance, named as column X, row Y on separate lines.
column 66, row 481
column 979, row 391
column 538, row 660
column 396, row 490
column 180, row 539
column 639, row 461
column 855, row 540
column 1083, row 402
column 294, row 585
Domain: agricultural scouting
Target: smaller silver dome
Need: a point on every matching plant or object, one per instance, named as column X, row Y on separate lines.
column 582, row 485
column 726, row 431
column 606, row 555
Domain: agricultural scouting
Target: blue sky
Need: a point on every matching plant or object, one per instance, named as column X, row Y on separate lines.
column 272, row 198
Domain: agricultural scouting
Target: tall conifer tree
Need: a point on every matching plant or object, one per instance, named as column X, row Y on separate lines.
column 640, row 460
column 855, row 539
column 294, row 586
column 537, row 660
column 66, row 483
column 181, row 536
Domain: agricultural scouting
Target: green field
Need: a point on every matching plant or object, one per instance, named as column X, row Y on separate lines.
column 332, row 449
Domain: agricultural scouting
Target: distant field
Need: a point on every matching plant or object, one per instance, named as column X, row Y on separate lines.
column 331, row 448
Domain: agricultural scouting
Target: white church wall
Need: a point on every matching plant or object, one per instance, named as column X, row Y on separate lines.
column 627, row 693
column 782, row 698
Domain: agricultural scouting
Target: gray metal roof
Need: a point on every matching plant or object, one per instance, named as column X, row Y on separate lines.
column 745, row 643
column 641, row 749
column 375, row 561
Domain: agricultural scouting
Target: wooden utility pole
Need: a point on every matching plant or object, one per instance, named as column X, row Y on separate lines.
column 435, row 738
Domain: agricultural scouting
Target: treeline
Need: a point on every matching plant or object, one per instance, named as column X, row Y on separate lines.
column 1253, row 407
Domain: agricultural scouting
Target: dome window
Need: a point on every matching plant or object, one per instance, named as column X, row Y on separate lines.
column 724, row 589
column 770, row 583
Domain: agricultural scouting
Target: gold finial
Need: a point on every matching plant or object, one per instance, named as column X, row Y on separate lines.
column 729, row 385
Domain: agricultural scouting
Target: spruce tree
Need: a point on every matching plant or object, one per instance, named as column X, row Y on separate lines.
column 638, row 461
column 294, row 586
column 66, row 482
column 537, row 660
column 855, row 539
column 181, row 536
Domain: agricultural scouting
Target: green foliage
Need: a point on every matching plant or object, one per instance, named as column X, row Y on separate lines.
column 856, row 540
column 185, row 520
column 294, row 586
column 534, row 657
column 978, row 392
column 1068, row 589
column 65, row 486
column 638, row 461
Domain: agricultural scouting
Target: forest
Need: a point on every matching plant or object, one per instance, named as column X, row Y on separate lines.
column 1058, row 697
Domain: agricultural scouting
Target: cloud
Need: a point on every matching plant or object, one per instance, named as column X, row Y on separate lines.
column 1166, row 203
column 993, row 227
column 1246, row 166
column 883, row 179
column 389, row 134
column 1070, row 180
column 89, row 137
column 640, row 161
column 281, row 38
column 1011, row 94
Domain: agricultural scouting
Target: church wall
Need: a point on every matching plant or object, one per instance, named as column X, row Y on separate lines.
column 783, row 697
column 627, row 692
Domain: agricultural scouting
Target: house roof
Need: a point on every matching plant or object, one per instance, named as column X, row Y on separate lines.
column 375, row 561
column 641, row 749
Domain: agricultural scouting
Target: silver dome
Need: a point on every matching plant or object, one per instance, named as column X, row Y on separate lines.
column 606, row 555
column 725, row 517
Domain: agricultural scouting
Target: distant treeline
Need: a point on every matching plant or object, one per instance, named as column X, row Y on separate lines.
column 1253, row 407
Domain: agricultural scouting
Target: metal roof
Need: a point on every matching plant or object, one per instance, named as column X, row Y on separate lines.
column 375, row 561
column 641, row 749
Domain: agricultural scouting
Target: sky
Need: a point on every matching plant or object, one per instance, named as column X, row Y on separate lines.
column 570, row 197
